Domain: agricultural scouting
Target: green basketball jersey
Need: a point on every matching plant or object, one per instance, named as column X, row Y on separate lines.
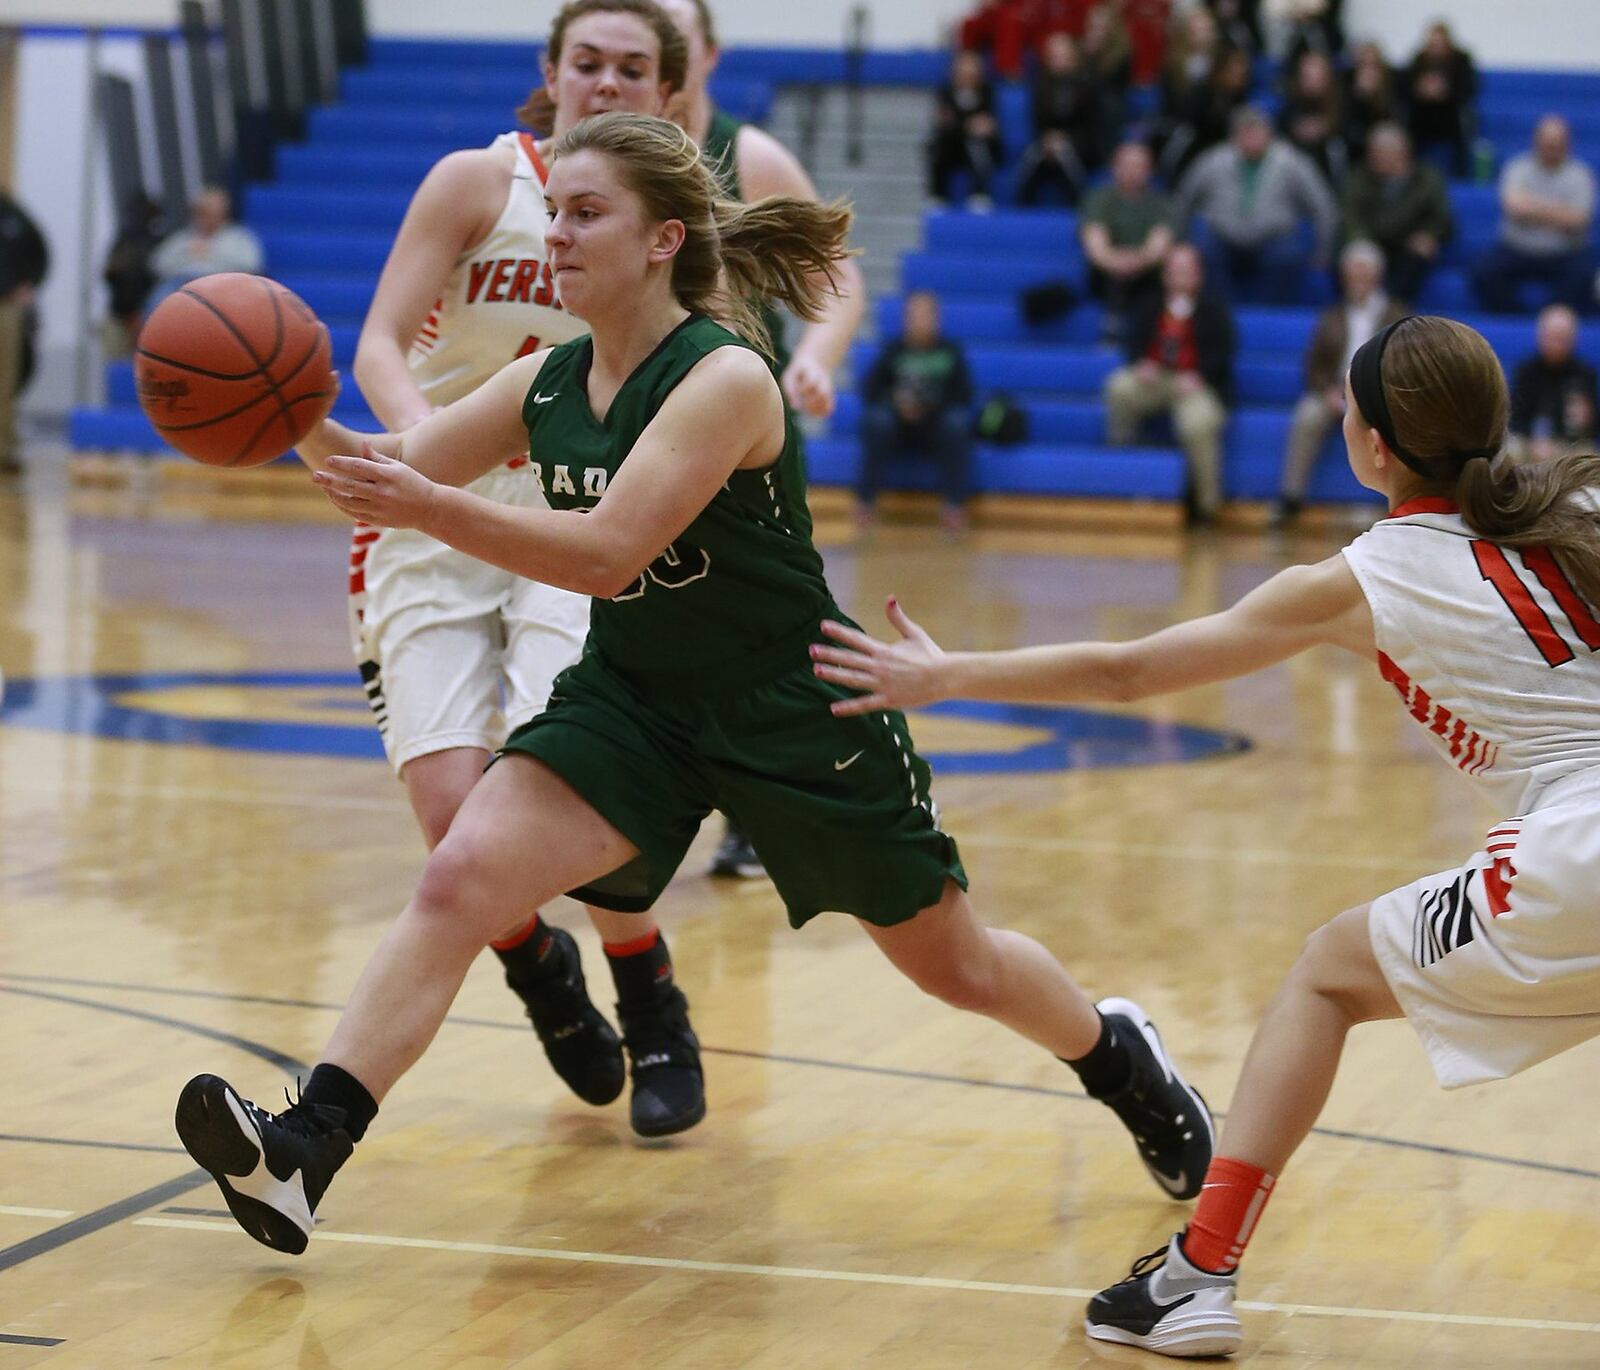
column 741, row 580
column 720, row 153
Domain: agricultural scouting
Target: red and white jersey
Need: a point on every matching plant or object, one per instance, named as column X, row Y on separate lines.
column 500, row 302
column 1492, row 650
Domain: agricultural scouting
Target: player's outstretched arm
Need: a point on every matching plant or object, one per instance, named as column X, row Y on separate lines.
column 1298, row 608
column 725, row 413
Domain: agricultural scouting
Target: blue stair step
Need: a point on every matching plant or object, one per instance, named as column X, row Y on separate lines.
column 124, row 428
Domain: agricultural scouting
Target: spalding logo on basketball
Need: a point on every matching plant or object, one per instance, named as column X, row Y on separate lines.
column 233, row 370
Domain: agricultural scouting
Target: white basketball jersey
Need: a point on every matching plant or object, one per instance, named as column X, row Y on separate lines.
column 1492, row 650
column 500, row 301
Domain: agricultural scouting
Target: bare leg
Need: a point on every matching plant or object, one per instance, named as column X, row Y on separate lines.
column 1003, row 975
column 439, row 783
column 1335, row 984
column 522, row 837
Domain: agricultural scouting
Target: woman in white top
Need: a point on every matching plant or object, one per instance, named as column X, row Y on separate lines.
column 1477, row 599
column 454, row 653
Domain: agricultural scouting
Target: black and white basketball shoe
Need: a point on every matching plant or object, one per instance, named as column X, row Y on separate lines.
column 1168, row 1306
column 1168, row 1118
column 272, row 1168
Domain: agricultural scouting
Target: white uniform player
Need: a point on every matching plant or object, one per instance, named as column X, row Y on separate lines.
column 1493, row 651
column 441, row 637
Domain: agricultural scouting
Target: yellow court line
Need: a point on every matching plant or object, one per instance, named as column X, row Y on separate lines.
column 1049, row 1291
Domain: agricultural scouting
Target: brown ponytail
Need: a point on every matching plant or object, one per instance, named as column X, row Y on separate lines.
column 538, row 111
column 1447, row 396
column 734, row 256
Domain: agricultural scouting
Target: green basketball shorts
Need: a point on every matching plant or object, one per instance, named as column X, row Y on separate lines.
column 837, row 808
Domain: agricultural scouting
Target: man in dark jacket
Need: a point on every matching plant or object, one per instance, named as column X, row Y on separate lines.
column 24, row 259
column 1402, row 207
column 1342, row 328
column 1180, row 347
column 1554, row 405
column 917, row 398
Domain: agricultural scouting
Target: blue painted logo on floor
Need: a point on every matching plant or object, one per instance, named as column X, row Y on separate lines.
column 315, row 714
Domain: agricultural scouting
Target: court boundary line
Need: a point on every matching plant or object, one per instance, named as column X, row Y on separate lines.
column 871, row 1277
column 779, row 1058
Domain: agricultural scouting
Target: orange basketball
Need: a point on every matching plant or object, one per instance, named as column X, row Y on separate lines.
column 233, row 369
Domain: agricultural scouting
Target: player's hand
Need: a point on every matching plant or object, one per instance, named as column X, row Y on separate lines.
column 890, row 675
column 809, row 387
column 376, row 489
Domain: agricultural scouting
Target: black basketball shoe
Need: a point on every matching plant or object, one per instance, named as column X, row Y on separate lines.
column 1172, row 1308
column 669, row 1088
column 580, row 1044
column 736, row 857
column 272, row 1168
column 1168, row 1118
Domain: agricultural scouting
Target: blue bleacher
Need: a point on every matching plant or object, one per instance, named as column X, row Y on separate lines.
column 329, row 218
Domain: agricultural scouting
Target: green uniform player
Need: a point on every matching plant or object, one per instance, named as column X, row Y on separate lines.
column 671, row 465
column 696, row 689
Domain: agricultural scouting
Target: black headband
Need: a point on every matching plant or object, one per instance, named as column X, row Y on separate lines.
column 1366, row 386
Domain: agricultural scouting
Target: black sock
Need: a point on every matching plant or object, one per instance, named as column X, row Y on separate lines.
column 640, row 972
column 1108, row 1066
column 330, row 1084
column 530, row 956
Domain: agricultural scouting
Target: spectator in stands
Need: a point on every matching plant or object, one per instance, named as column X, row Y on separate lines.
column 998, row 29
column 1342, row 328
column 211, row 243
column 1210, row 113
column 1312, row 117
column 1251, row 195
column 129, row 273
column 1238, row 23
column 1180, row 347
column 1440, row 93
column 24, row 262
column 917, row 397
column 1068, row 139
column 1547, row 202
column 1401, row 206
column 1369, row 98
column 1554, row 402
column 1126, row 230
column 1107, row 51
column 1296, row 26
column 1193, row 47
column 966, row 133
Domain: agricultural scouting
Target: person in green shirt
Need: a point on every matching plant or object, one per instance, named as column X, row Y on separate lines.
column 1126, row 229
column 1401, row 206
column 677, row 496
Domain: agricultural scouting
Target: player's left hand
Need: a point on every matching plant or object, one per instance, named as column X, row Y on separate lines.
column 377, row 489
column 891, row 675
column 809, row 387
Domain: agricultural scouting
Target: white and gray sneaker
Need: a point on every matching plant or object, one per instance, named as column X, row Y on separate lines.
column 1168, row 1306
column 272, row 1168
column 1166, row 1115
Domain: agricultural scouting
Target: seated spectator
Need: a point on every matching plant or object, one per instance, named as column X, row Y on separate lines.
column 1238, row 23
column 1342, row 328
column 1402, row 207
column 1369, row 98
column 998, row 30
column 1554, row 403
column 1252, row 194
column 966, row 134
column 1440, row 91
column 1208, row 114
column 1107, row 52
column 1547, row 208
column 1180, row 347
column 24, row 263
column 129, row 273
column 1312, row 118
column 917, row 397
column 211, row 243
column 1193, row 46
column 1126, row 229
column 1066, row 125
column 1296, row 26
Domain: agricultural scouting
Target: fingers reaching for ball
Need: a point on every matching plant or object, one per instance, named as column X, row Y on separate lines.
column 376, row 489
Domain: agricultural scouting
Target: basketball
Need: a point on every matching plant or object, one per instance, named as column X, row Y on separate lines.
column 233, row 369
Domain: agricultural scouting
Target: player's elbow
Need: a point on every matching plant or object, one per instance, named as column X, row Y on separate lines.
column 606, row 574
column 1122, row 677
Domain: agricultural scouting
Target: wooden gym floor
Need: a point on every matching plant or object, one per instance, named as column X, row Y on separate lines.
column 197, row 852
